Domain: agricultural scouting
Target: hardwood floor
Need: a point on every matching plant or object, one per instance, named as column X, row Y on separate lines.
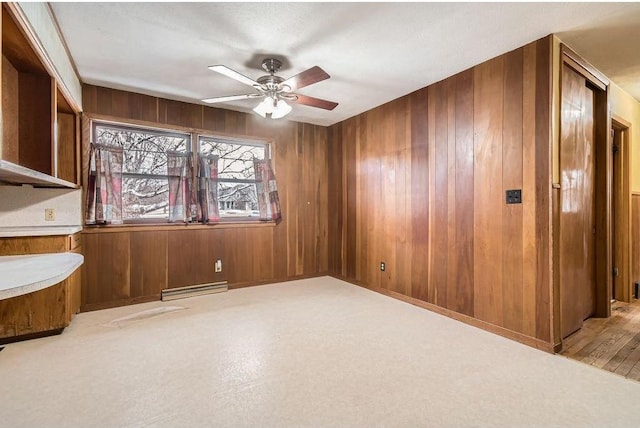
column 611, row 344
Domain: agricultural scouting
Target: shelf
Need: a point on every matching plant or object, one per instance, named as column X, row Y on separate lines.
column 16, row 174
column 39, row 141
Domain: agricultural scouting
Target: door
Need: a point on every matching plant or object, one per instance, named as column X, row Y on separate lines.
column 577, row 219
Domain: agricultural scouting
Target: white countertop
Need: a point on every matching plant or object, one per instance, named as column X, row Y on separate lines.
column 8, row 232
column 25, row 274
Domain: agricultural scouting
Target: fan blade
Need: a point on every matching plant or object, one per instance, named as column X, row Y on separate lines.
column 306, row 78
column 233, row 74
column 230, row 98
column 315, row 102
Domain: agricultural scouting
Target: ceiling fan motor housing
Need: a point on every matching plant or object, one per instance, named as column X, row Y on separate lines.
column 270, row 80
column 271, row 65
column 271, row 83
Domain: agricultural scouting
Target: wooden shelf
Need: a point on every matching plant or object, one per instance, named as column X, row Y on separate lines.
column 16, row 174
column 39, row 141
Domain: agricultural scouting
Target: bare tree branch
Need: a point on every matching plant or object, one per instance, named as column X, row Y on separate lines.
column 146, row 153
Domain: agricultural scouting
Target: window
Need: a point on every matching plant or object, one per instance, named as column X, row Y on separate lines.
column 236, row 177
column 146, row 157
column 145, row 190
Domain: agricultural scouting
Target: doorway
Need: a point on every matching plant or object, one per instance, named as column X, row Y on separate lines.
column 621, row 289
column 584, row 261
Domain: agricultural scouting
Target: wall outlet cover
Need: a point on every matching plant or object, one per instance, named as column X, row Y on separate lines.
column 49, row 214
column 514, row 196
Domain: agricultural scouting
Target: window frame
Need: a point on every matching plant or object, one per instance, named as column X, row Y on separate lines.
column 91, row 120
column 239, row 141
column 96, row 123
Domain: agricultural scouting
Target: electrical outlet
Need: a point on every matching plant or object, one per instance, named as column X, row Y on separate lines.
column 218, row 266
column 514, row 196
column 49, row 214
column 382, row 266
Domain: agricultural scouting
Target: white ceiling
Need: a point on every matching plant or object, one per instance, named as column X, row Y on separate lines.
column 374, row 52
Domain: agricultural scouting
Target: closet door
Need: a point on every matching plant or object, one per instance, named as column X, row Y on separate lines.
column 577, row 225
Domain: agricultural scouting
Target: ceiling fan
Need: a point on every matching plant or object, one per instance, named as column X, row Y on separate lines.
column 275, row 90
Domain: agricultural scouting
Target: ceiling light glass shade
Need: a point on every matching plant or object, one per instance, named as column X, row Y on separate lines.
column 265, row 107
column 282, row 109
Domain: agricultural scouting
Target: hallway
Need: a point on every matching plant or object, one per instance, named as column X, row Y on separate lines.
column 611, row 344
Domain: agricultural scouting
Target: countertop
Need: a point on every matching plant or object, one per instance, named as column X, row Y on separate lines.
column 25, row 274
column 8, row 232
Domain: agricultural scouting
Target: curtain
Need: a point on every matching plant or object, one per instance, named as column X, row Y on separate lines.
column 104, row 189
column 208, row 211
column 267, row 192
column 181, row 193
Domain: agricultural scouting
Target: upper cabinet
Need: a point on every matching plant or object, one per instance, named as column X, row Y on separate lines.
column 67, row 140
column 40, row 129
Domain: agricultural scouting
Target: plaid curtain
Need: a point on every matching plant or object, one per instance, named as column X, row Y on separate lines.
column 104, row 189
column 208, row 211
column 181, row 198
column 267, row 191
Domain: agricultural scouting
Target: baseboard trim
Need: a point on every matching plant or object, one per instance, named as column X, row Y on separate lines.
column 557, row 348
column 157, row 297
column 29, row 336
column 483, row 325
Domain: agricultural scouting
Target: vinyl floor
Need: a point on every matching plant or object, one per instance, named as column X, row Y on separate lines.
column 312, row 353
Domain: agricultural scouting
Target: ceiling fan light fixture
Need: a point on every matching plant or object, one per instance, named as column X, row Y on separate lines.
column 265, row 107
column 275, row 90
column 282, row 109
column 273, row 108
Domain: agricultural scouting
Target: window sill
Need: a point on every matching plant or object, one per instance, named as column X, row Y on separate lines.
column 152, row 227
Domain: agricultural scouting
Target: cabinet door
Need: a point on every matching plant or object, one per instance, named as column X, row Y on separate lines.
column 73, row 297
column 37, row 312
column 74, row 288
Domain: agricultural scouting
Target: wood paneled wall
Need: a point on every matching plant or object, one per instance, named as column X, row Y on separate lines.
column 10, row 124
column 423, row 181
column 131, row 265
column 635, row 238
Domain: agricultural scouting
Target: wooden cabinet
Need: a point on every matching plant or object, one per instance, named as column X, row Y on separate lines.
column 74, row 300
column 34, row 245
column 67, row 143
column 40, row 313
column 26, row 101
column 74, row 282
column 40, row 136
column 47, row 311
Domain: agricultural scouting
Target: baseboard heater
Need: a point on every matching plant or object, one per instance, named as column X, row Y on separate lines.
column 193, row 290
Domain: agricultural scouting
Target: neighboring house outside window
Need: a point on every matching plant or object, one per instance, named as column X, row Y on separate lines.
column 146, row 157
column 237, row 196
